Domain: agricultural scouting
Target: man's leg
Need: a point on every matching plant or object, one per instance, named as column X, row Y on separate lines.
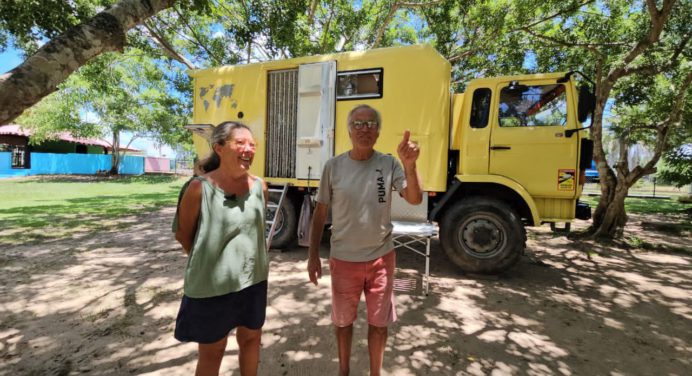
column 209, row 358
column 379, row 298
column 344, row 338
column 377, row 340
column 248, row 349
column 347, row 286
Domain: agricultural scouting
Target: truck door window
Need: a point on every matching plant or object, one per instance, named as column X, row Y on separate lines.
column 360, row 84
column 480, row 108
column 533, row 106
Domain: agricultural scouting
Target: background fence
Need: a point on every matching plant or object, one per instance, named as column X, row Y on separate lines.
column 67, row 164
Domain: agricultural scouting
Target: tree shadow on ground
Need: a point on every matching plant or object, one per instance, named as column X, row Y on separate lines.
column 91, row 305
column 105, row 304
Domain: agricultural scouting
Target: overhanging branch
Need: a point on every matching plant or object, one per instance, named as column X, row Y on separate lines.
column 168, row 49
column 658, row 21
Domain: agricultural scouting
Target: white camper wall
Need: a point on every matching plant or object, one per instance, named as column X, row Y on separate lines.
column 315, row 131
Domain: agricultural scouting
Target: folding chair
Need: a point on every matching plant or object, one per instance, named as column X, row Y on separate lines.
column 412, row 228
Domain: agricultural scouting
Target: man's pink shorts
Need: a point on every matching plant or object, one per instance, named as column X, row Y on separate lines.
column 375, row 278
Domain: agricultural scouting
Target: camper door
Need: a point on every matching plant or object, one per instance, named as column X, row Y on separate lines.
column 315, row 130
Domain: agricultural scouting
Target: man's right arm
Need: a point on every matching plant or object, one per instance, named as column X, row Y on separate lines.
column 319, row 217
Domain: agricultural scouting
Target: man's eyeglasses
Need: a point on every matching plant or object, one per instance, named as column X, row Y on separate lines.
column 370, row 124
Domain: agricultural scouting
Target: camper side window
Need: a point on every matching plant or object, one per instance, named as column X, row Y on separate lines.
column 360, row 84
column 480, row 108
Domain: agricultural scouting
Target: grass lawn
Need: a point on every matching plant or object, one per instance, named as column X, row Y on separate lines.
column 645, row 205
column 40, row 208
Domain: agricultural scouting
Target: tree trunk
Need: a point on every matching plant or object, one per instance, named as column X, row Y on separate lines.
column 115, row 154
column 40, row 74
column 609, row 218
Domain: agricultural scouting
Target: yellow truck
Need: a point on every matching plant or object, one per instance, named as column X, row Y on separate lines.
column 509, row 152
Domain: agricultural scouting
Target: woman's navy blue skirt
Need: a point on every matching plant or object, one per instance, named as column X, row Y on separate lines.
column 207, row 320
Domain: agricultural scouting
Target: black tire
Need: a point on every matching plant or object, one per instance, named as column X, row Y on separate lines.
column 285, row 232
column 482, row 235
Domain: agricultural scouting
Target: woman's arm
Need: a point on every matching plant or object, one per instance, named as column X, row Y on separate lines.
column 265, row 191
column 188, row 214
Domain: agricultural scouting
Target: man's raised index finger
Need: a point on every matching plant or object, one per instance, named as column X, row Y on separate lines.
column 407, row 135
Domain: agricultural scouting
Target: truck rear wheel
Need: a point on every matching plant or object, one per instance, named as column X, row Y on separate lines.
column 286, row 226
column 482, row 235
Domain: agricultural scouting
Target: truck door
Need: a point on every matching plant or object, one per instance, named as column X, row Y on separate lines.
column 528, row 142
column 315, row 128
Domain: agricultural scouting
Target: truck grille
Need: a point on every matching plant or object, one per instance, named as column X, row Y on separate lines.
column 282, row 106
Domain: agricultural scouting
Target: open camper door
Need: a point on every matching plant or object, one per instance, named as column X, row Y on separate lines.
column 315, row 128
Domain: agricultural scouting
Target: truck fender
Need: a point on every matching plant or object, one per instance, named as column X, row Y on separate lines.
column 492, row 179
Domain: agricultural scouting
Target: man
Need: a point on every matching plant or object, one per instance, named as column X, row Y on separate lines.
column 358, row 186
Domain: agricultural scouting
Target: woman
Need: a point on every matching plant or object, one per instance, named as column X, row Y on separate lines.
column 220, row 225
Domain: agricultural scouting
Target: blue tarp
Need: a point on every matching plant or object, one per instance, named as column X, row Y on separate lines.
column 67, row 164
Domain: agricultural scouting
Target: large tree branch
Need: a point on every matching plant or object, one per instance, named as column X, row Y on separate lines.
column 217, row 60
column 554, row 15
column 40, row 74
column 325, row 30
column 398, row 4
column 459, row 56
column 654, row 69
column 385, row 24
column 166, row 46
column 311, row 12
column 664, row 128
column 658, row 21
column 589, row 46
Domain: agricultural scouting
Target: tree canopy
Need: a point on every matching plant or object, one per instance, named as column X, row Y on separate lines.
column 638, row 54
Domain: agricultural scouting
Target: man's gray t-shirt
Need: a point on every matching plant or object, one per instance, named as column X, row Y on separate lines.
column 360, row 195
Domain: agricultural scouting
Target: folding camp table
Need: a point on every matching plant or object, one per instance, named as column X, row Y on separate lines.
column 411, row 229
column 409, row 234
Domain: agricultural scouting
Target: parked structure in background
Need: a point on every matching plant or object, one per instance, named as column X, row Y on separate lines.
column 592, row 173
column 67, row 155
column 157, row 165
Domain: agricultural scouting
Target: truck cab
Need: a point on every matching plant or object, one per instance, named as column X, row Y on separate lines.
column 518, row 160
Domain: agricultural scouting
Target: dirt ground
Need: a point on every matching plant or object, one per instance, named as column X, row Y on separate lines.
column 105, row 304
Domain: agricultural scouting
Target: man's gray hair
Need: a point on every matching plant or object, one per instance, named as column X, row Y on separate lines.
column 378, row 118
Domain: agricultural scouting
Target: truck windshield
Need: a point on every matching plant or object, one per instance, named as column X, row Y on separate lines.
column 533, row 106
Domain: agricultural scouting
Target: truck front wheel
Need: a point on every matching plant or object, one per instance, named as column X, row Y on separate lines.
column 286, row 219
column 482, row 235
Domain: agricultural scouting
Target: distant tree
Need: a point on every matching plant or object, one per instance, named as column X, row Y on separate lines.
column 677, row 166
column 114, row 93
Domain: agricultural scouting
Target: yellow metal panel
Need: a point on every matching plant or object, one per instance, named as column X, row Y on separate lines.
column 501, row 180
column 222, row 94
column 474, row 141
column 455, row 133
column 537, row 157
column 555, row 209
column 416, row 96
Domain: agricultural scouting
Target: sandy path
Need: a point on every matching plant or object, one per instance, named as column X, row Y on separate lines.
column 105, row 304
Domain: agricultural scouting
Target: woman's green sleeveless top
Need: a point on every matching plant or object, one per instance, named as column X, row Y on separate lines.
column 229, row 250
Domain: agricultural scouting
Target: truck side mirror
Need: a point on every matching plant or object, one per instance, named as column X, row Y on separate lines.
column 587, row 102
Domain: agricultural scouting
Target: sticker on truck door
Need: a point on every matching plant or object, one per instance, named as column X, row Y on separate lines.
column 565, row 180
